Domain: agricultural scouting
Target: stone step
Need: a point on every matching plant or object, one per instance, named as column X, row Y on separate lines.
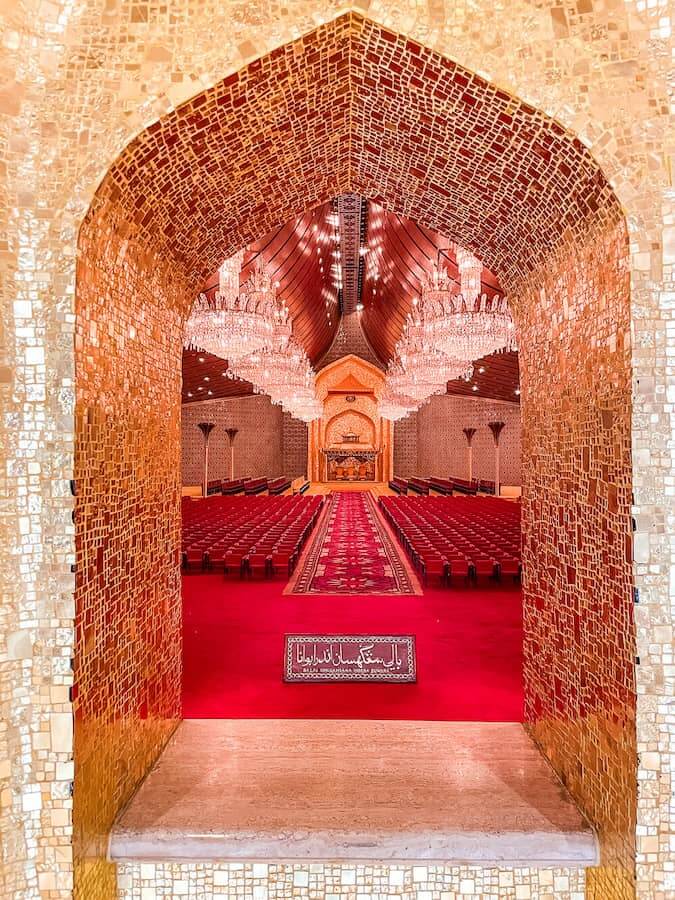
column 466, row 797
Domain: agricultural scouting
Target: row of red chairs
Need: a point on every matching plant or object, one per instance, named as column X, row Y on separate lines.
column 247, row 485
column 456, row 485
column 450, row 485
column 449, row 537
column 250, row 535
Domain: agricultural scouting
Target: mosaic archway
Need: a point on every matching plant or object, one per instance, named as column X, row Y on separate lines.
column 440, row 145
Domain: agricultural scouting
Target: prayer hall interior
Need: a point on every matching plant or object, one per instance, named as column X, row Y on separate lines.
column 337, row 425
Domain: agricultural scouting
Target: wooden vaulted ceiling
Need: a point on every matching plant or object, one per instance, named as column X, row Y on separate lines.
column 400, row 252
column 300, row 255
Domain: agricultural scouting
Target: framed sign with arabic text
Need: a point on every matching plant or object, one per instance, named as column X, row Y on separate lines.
column 350, row 657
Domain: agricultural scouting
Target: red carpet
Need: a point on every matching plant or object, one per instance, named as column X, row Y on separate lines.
column 353, row 553
column 469, row 646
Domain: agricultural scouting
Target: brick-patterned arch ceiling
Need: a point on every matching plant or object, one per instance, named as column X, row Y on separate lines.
column 354, row 107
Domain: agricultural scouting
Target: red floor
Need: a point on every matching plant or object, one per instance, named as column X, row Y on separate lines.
column 469, row 648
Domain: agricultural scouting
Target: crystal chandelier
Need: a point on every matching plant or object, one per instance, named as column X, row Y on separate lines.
column 285, row 374
column 304, row 405
column 415, row 385
column 470, row 271
column 394, row 406
column 236, row 323
column 468, row 324
column 419, row 369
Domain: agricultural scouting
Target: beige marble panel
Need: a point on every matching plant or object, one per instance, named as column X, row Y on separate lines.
column 328, row 790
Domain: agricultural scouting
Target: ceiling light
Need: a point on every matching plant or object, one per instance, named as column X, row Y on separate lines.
column 201, row 359
column 200, row 388
column 517, row 392
column 206, row 378
column 210, row 392
column 475, row 387
column 236, row 322
column 468, row 324
column 359, row 306
column 481, row 370
column 189, row 393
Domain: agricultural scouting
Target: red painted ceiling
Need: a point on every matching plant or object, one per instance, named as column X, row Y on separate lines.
column 300, row 254
column 204, row 378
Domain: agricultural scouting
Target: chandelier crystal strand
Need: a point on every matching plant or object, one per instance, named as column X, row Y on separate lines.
column 470, row 271
column 285, row 374
column 394, row 406
column 236, row 323
column 424, row 365
column 418, row 370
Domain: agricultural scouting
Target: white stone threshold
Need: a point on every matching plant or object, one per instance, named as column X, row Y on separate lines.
column 289, row 790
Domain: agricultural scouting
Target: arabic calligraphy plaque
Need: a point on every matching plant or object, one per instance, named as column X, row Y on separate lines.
column 350, row 657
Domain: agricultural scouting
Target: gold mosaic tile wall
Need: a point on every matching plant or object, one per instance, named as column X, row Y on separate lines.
column 80, row 79
column 127, row 474
column 579, row 634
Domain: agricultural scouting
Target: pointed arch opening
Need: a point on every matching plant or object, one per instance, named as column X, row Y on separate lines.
column 354, row 107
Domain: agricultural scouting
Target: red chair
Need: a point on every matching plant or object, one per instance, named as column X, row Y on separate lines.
column 458, row 566
column 282, row 560
column 484, row 566
column 434, row 565
column 234, row 561
column 509, row 566
column 195, row 556
column 259, row 563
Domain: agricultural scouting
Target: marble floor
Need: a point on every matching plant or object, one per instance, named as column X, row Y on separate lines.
column 353, row 790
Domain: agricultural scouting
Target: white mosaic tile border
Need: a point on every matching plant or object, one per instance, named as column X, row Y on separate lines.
column 333, row 881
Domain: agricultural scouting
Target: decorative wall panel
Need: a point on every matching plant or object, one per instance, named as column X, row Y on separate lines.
column 405, row 447
column 294, row 447
column 350, row 422
column 442, row 447
column 258, row 446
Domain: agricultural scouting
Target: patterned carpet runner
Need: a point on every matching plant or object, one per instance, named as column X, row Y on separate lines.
column 353, row 553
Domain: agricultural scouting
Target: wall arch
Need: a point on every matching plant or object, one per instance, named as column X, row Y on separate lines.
column 538, row 209
column 351, row 416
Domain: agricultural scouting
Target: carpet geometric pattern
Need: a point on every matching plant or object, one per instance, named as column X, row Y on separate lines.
column 353, row 553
